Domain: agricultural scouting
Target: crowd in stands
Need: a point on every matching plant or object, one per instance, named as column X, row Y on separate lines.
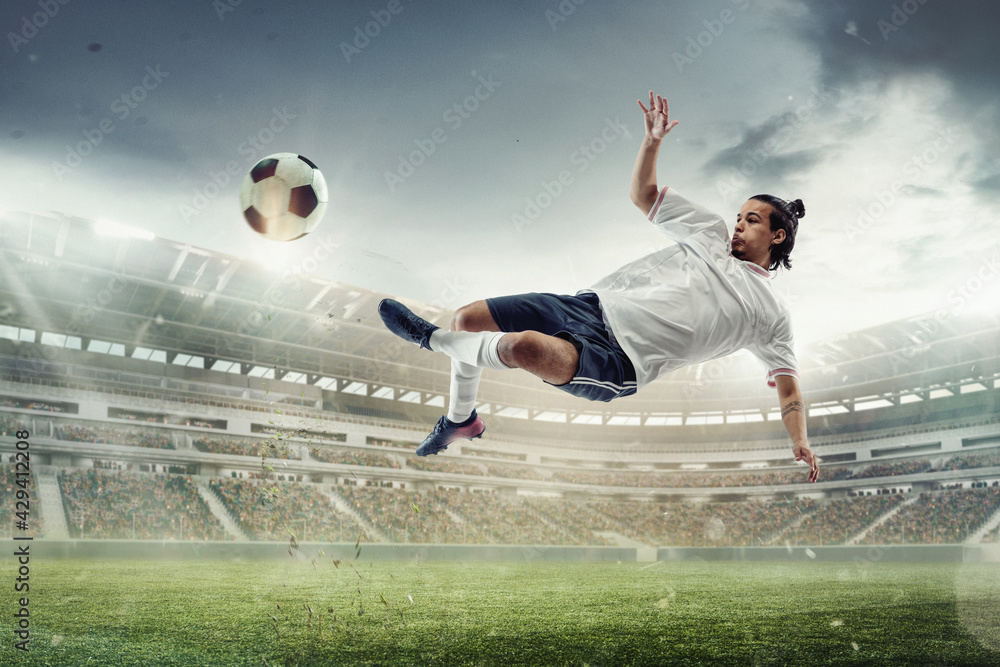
column 468, row 451
column 444, row 464
column 9, row 508
column 748, row 523
column 398, row 444
column 312, row 435
column 8, row 402
column 906, row 467
column 689, row 480
column 353, row 457
column 133, row 436
column 274, row 449
column 840, row 520
column 938, row 517
column 10, row 425
column 274, row 511
column 973, row 460
column 515, row 472
column 992, row 536
column 131, row 505
column 409, row 517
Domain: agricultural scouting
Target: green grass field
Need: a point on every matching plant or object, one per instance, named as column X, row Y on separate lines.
column 388, row 613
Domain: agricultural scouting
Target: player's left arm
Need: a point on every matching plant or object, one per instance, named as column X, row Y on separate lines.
column 793, row 414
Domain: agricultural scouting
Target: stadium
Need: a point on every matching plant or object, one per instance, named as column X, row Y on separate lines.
column 180, row 403
column 209, row 427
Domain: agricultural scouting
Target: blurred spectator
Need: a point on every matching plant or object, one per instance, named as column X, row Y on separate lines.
column 938, row 517
column 132, row 436
column 353, row 457
column 275, row 449
column 9, row 508
column 143, row 506
column 907, row 467
column 271, row 511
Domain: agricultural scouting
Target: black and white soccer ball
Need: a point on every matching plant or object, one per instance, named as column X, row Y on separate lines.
column 283, row 197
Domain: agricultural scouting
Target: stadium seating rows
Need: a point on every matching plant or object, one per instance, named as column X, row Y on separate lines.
column 938, row 517
column 9, row 488
column 275, row 449
column 104, row 504
column 132, row 436
column 970, row 460
column 353, row 457
column 135, row 505
column 276, row 511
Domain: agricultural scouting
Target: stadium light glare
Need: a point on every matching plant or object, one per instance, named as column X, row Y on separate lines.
column 113, row 229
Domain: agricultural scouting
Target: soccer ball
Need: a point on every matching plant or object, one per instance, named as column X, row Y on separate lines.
column 283, row 197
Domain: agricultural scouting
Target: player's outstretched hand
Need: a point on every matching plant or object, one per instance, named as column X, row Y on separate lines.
column 805, row 453
column 657, row 117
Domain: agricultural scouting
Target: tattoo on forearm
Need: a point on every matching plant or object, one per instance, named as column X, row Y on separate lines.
column 794, row 406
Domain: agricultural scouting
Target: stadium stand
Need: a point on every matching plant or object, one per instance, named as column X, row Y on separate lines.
column 840, row 520
column 9, row 424
column 908, row 467
column 448, row 465
column 132, row 436
column 9, row 488
column 406, row 517
column 971, row 460
column 746, row 523
column 696, row 480
column 356, row 458
column 136, row 505
column 938, row 517
column 275, row 449
column 275, row 511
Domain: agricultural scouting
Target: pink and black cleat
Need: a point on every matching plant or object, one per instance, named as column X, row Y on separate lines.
column 446, row 432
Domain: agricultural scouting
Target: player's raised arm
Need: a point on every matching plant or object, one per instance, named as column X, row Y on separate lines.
column 793, row 414
column 643, row 190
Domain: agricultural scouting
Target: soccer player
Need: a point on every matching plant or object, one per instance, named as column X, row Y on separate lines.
column 703, row 298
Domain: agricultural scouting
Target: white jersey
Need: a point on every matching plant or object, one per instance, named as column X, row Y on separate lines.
column 694, row 301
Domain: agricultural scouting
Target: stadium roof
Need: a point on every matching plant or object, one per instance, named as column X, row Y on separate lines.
column 71, row 283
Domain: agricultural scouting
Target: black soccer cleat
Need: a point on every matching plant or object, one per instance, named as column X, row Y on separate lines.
column 446, row 432
column 401, row 321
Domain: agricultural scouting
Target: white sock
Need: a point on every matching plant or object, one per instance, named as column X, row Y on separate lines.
column 464, row 387
column 475, row 348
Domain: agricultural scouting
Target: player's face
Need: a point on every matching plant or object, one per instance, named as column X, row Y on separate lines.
column 752, row 237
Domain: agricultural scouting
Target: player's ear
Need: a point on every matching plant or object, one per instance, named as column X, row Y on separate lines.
column 779, row 236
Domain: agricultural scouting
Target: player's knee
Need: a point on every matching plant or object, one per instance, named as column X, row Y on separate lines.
column 525, row 349
column 473, row 317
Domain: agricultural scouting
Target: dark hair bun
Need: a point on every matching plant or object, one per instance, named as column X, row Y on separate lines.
column 797, row 208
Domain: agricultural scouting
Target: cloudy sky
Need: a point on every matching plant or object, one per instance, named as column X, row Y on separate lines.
column 476, row 149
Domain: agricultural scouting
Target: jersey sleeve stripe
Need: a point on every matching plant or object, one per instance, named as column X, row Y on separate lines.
column 780, row 371
column 656, row 206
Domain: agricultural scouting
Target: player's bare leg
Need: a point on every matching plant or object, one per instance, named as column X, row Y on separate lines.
column 474, row 343
column 552, row 359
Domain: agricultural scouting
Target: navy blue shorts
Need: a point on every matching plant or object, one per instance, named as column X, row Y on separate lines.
column 604, row 372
